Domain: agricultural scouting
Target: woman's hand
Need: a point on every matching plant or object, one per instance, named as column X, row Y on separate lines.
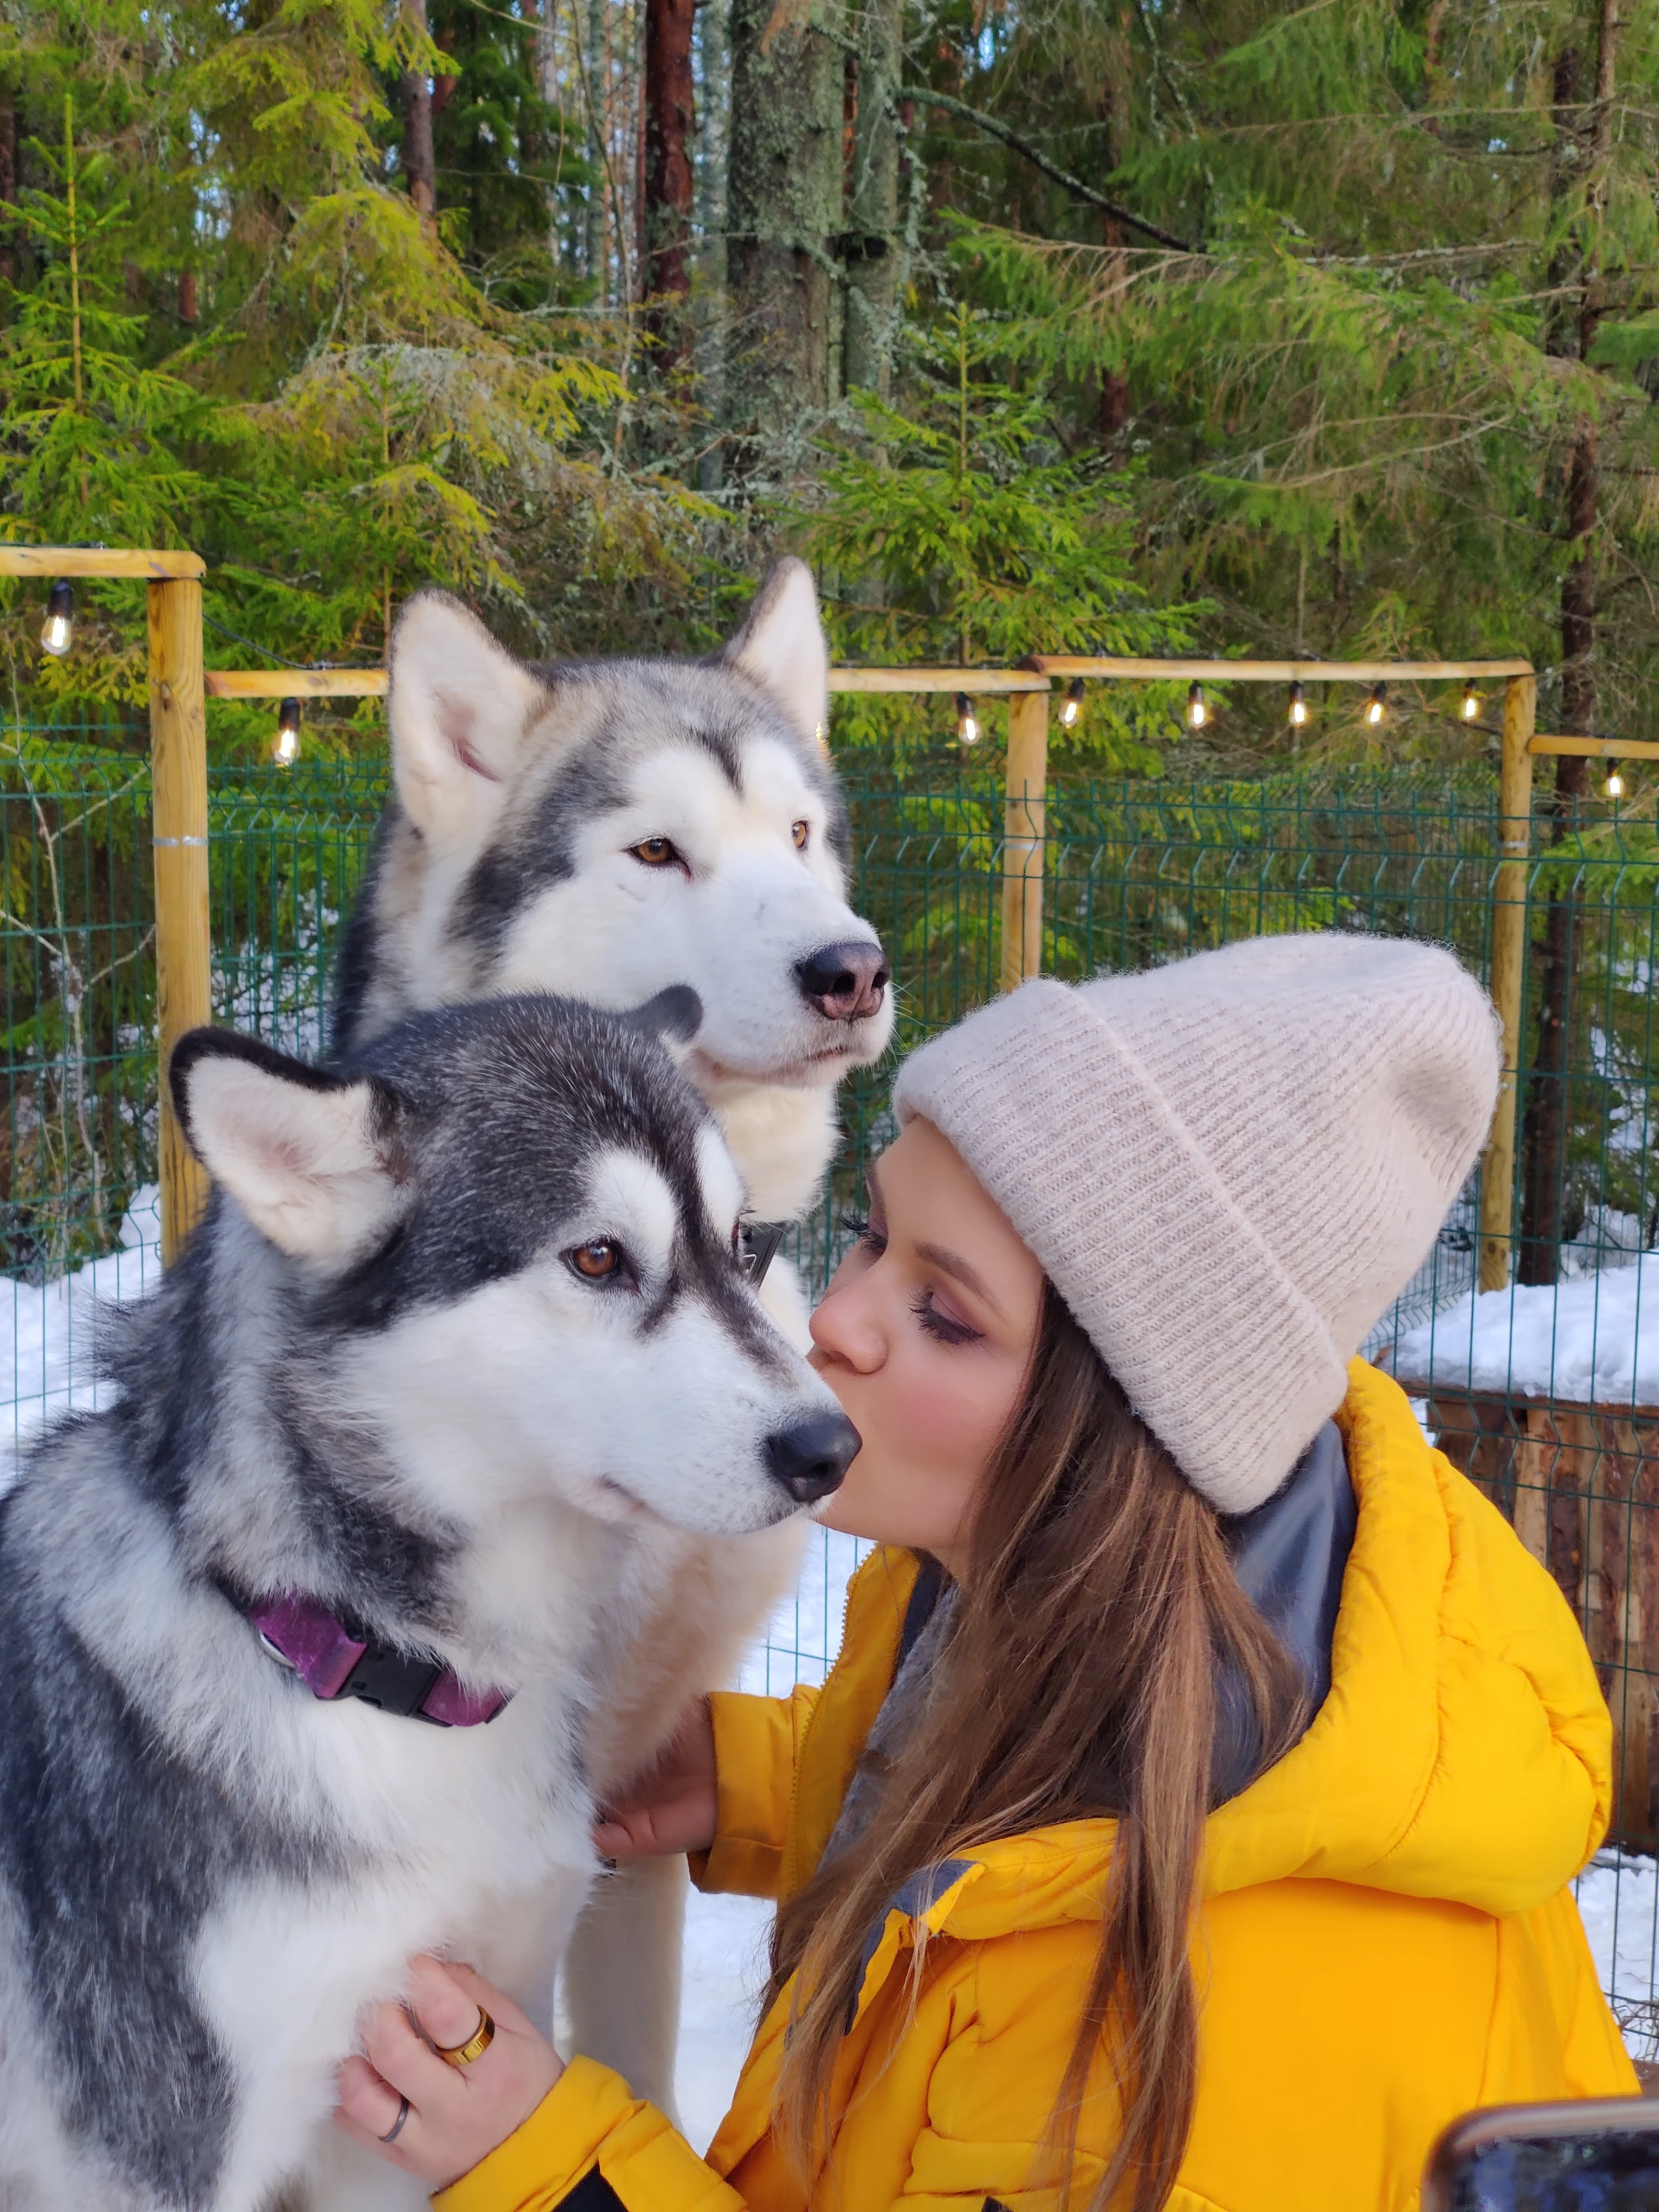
column 457, row 2115
column 672, row 1808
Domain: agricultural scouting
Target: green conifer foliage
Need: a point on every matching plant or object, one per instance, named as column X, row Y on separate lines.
column 963, row 530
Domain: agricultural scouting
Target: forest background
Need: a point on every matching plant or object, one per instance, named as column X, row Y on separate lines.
column 1089, row 325
column 1098, row 325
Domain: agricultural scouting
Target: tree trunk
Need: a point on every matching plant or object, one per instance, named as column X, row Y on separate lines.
column 670, row 126
column 597, row 72
column 1548, row 1122
column 872, row 244
column 784, row 207
column 418, row 162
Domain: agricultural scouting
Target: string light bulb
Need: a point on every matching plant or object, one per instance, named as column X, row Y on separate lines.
column 1071, row 711
column 1377, row 705
column 1298, row 712
column 1615, row 783
column 60, row 625
column 1197, row 713
column 288, row 731
column 967, row 720
column 1471, row 701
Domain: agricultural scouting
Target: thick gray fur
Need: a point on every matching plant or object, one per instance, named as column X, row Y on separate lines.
column 159, row 1771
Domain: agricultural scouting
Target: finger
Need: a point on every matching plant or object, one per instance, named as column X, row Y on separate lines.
column 486, row 1998
column 394, row 2049
column 613, row 1841
column 447, row 2011
column 367, row 2101
column 398, row 2153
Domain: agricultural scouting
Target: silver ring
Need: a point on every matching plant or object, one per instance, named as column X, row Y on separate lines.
column 397, row 2127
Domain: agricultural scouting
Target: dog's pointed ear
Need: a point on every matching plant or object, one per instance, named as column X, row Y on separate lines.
column 674, row 1016
column 781, row 646
column 458, row 706
column 311, row 1158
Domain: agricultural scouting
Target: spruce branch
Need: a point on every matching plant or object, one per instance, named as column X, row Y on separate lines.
column 1023, row 147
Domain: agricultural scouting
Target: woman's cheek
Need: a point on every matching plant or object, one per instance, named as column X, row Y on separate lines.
column 959, row 1407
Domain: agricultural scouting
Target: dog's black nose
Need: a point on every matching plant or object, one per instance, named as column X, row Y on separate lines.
column 843, row 982
column 810, row 1457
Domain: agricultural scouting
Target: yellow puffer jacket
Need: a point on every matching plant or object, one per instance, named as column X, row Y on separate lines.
column 1385, row 1939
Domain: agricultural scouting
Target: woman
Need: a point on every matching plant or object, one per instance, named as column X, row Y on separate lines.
column 1187, row 1817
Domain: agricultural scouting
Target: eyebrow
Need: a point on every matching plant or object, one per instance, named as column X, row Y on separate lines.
column 953, row 1264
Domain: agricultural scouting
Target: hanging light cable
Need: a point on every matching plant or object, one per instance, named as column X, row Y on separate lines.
column 1377, row 705
column 1197, row 713
column 288, row 731
column 1071, row 711
column 967, row 720
column 60, row 625
column 1298, row 709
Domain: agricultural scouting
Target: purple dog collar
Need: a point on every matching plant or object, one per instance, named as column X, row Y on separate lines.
column 333, row 1663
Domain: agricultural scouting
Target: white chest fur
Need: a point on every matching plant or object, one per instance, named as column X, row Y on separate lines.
column 471, row 1842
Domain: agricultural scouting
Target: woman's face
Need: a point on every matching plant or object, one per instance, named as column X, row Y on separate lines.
column 924, row 1336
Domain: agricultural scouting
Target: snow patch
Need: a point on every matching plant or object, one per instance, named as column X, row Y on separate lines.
column 51, row 1330
column 1592, row 1339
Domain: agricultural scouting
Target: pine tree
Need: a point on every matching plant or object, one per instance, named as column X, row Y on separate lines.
column 964, row 532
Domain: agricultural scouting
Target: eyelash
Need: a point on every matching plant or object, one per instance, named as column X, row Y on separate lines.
column 947, row 1332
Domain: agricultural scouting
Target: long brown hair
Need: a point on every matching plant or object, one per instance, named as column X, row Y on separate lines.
column 1078, row 1679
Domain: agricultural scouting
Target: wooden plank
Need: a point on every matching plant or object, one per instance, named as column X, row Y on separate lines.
column 1597, row 748
column 1509, row 961
column 977, row 683
column 371, row 683
column 1024, row 822
column 53, row 560
column 178, row 737
column 297, row 683
column 1278, row 671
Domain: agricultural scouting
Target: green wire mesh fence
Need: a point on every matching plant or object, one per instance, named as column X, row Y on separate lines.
column 1548, row 1393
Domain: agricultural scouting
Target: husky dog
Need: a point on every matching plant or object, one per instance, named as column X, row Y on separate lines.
column 605, row 830
column 460, row 1321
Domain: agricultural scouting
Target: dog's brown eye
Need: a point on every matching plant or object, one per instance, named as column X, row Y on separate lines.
column 800, row 832
column 597, row 1259
column 655, row 852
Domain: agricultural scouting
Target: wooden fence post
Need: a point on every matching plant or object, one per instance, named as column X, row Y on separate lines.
column 1022, row 844
column 178, row 741
column 1508, row 968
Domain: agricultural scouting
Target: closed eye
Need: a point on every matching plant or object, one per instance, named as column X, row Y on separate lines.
column 939, row 1325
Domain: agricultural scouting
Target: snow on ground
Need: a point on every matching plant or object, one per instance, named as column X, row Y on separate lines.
column 1593, row 1338
column 53, row 1325
column 1617, row 1897
column 725, row 1943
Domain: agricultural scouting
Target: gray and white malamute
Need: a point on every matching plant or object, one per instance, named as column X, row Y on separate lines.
column 299, row 1632
column 605, row 831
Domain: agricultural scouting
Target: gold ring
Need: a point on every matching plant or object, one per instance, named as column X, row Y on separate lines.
column 463, row 2054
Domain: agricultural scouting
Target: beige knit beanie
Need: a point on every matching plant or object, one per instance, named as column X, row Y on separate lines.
column 1228, row 1167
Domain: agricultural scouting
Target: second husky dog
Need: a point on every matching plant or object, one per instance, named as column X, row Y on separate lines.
column 460, row 1321
column 606, row 829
